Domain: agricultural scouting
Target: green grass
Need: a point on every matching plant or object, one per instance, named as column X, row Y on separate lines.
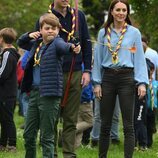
column 115, row 151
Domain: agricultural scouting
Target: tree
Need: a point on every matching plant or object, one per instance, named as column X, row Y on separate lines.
column 21, row 15
column 145, row 12
column 95, row 12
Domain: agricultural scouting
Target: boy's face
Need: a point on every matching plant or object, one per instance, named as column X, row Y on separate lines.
column 48, row 33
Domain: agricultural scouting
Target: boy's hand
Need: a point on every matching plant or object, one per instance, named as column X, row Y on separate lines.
column 35, row 35
column 76, row 49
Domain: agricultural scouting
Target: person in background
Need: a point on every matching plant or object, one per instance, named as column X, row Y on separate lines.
column 8, row 88
column 85, row 115
column 43, row 78
column 20, row 74
column 151, row 54
column 24, row 95
column 152, row 104
column 140, row 128
column 119, row 64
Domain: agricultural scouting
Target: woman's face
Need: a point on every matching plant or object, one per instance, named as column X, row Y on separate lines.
column 119, row 12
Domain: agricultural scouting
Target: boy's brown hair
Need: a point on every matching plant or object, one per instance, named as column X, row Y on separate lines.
column 49, row 18
column 8, row 34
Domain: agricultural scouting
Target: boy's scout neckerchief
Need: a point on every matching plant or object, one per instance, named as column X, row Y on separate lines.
column 115, row 52
column 36, row 57
column 70, row 34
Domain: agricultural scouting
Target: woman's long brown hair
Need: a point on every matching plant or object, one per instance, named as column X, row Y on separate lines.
column 110, row 17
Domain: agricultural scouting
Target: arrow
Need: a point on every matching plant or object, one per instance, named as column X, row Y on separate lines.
column 132, row 49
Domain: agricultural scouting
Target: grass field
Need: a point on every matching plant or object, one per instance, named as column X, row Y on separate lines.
column 115, row 151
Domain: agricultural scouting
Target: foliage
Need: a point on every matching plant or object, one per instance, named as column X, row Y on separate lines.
column 145, row 12
column 95, row 11
column 22, row 15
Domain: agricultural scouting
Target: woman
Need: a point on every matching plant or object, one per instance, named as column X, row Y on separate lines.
column 119, row 64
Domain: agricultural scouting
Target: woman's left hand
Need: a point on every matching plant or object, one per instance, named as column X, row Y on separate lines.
column 141, row 91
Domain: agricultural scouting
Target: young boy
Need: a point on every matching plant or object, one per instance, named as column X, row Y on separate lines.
column 140, row 128
column 145, row 112
column 8, row 88
column 85, row 115
column 152, row 104
column 43, row 78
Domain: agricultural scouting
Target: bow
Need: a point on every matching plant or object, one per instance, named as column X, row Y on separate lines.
column 75, row 40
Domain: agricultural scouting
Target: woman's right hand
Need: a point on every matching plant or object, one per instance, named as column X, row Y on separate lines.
column 98, row 91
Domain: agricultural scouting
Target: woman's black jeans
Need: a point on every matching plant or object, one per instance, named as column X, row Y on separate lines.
column 117, row 82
